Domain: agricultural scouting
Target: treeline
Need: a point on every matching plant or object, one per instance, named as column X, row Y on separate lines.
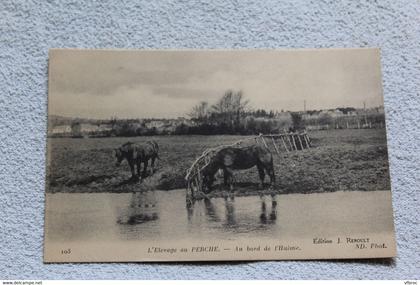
column 250, row 126
column 129, row 128
column 231, row 115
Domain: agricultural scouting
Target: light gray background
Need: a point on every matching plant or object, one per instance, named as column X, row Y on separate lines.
column 29, row 28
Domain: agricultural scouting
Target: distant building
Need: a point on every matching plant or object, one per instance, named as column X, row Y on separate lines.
column 60, row 130
column 283, row 116
column 185, row 121
column 87, row 128
column 155, row 124
column 334, row 113
column 105, row 127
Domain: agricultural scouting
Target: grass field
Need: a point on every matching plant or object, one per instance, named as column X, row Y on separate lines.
column 345, row 160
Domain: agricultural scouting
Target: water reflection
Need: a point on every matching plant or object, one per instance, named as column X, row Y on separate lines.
column 161, row 215
column 266, row 218
column 213, row 210
column 149, row 214
column 210, row 211
column 143, row 208
column 230, row 213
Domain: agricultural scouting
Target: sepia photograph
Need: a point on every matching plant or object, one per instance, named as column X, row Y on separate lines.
column 205, row 155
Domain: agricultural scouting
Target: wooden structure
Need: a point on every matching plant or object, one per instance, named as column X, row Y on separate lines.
column 276, row 143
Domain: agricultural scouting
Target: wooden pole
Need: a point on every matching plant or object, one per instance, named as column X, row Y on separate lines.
column 275, row 146
column 265, row 143
column 293, row 140
column 188, row 189
column 300, row 141
column 192, row 190
column 197, row 184
column 290, row 142
column 307, row 140
column 284, row 144
column 199, row 180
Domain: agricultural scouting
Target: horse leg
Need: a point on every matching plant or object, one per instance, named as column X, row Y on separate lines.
column 270, row 171
column 262, row 174
column 131, row 164
column 230, row 176
column 138, row 168
column 153, row 164
column 273, row 215
column 145, row 162
column 263, row 216
column 225, row 177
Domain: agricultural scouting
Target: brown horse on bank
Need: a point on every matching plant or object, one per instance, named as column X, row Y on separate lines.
column 232, row 158
column 135, row 154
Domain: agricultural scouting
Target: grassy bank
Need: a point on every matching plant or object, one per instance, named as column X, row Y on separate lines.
column 340, row 160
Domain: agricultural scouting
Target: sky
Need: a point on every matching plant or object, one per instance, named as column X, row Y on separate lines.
column 166, row 84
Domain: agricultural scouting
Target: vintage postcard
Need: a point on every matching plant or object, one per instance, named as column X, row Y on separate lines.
column 204, row 155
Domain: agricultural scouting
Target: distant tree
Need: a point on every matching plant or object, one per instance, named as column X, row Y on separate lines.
column 200, row 112
column 230, row 108
column 264, row 127
column 181, row 129
column 113, row 119
column 250, row 126
column 76, row 129
column 297, row 121
column 346, row 110
column 325, row 119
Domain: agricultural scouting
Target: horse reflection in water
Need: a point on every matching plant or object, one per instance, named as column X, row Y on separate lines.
column 143, row 208
column 266, row 218
column 207, row 209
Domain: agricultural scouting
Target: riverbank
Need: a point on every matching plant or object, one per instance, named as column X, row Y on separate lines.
column 343, row 160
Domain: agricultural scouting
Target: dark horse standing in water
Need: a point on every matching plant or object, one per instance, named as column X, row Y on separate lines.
column 135, row 154
column 233, row 158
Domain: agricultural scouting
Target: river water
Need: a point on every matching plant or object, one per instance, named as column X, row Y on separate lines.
column 163, row 215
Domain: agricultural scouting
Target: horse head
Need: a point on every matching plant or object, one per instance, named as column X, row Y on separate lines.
column 119, row 155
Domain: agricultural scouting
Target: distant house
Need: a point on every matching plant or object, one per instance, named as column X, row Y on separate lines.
column 105, row 127
column 311, row 115
column 335, row 113
column 376, row 110
column 283, row 116
column 155, row 124
column 87, row 128
column 185, row 121
column 60, row 130
column 351, row 113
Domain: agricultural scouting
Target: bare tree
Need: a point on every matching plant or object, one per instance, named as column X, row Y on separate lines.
column 200, row 112
column 230, row 107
